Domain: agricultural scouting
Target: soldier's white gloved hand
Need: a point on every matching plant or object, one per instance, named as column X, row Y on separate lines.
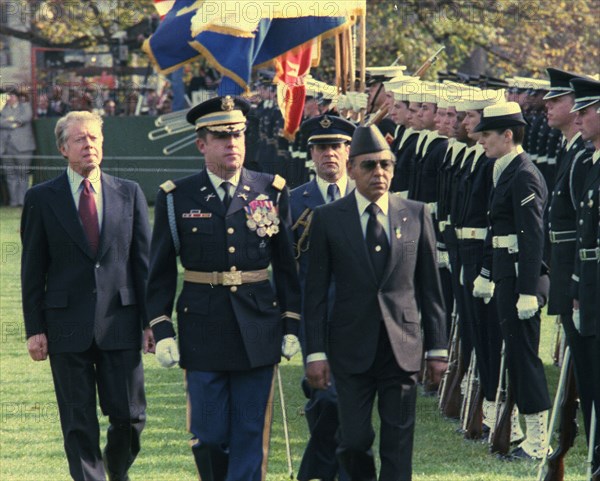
column 577, row 320
column 443, row 259
column 527, row 306
column 290, row 346
column 167, row 352
column 483, row 288
column 359, row 101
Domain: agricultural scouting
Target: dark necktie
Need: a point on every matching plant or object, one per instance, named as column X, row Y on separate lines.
column 377, row 241
column 333, row 192
column 89, row 216
column 227, row 197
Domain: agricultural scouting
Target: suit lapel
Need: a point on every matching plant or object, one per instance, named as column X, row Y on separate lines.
column 207, row 197
column 113, row 204
column 244, row 194
column 312, row 196
column 398, row 224
column 63, row 205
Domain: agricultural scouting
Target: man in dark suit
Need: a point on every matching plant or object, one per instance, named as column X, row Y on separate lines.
column 328, row 139
column 388, row 306
column 227, row 225
column 83, row 273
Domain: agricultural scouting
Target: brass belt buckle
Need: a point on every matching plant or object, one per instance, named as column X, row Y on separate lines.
column 232, row 278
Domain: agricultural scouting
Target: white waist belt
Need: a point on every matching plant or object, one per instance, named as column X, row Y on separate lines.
column 510, row 242
column 478, row 233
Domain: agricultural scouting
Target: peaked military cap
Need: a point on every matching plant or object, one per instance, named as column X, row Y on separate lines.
column 559, row 83
column 327, row 129
column 587, row 92
column 368, row 143
column 220, row 115
column 501, row 116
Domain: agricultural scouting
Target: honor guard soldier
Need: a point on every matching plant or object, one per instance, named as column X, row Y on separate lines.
column 516, row 233
column 226, row 225
column 573, row 165
column 329, row 145
column 378, row 99
column 585, row 286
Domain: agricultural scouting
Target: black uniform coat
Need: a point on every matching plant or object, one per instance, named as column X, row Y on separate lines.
column 517, row 207
column 68, row 293
column 362, row 306
column 585, row 271
column 573, row 165
column 222, row 328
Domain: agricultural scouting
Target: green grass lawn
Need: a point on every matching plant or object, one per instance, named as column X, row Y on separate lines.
column 31, row 443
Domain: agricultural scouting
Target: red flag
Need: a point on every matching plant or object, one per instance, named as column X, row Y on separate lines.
column 291, row 69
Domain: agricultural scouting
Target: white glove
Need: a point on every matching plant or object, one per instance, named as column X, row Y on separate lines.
column 342, row 102
column 443, row 259
column 527, row 306
column 167, row 352
column 577, row 320
column 290, row 346
column 483, row 288
column 359, row 101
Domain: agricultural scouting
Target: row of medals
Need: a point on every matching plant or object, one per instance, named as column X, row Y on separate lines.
column 264, row 221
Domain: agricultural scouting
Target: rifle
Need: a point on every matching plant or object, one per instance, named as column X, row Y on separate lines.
column 422, row 70
column 466, row 405
column 500, row 435
column 474, row 427
column 452, row 361
column 552, row 467
column 450, row 399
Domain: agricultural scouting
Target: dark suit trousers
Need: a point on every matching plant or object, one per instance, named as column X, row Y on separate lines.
column 119, row 378
column 396, row 392
column 522, row 339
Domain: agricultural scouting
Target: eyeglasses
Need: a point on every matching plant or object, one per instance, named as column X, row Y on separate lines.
column 370, row 165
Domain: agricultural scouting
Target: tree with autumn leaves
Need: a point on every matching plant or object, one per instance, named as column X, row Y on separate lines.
column 499, row 38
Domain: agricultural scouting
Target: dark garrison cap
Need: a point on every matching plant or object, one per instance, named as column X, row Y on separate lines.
column 327, row 129
column 368, row 143
column 222, row 115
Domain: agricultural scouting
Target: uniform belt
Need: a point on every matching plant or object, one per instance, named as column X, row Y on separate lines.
column 232, row 278
column 478, row 233
column 589, row 254
column 556, row 237
column 510, row 242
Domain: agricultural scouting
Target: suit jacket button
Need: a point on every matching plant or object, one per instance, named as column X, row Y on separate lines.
column 195, row 229
column 233, row 289
column 230, row 230
column 97, row 266
column 231, row 250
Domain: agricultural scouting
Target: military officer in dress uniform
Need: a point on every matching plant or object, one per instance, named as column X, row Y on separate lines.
column 517, row 235
column 585, row 288
column 227, row 225
column 573, row 164
column 329, row 144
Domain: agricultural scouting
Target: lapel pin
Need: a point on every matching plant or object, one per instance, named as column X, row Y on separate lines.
column 243, row 196
column 398, row 233
column 246, row 188
column 209, row 196
column 203, row 188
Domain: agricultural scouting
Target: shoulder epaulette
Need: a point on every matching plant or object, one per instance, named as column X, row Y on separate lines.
column 168, row 186
column 278, row 182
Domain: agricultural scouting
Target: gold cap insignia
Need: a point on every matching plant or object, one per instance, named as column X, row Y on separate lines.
column 326, row 122
column 227, row 103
